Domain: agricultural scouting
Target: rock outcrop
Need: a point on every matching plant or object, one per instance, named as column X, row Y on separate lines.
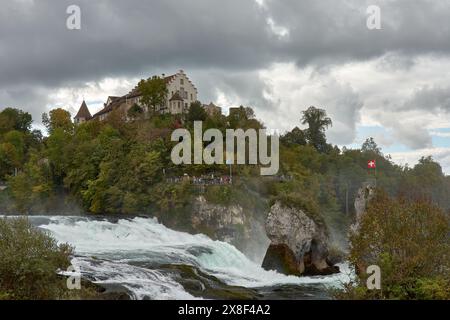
column 232, row 223
column 298, row 245
column 364, row 195
column 223, row 223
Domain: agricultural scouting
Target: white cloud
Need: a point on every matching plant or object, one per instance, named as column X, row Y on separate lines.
column 440, row 134
column 442, row 155
column 95, row 94
column 280, row 31
column 292, row 90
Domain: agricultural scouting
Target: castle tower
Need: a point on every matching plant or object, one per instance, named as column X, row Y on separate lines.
column 83, row 114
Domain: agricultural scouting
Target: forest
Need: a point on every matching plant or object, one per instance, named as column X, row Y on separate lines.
column 122, row 167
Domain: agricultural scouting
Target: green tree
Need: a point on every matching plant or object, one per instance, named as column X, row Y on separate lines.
column 294, row 137
column 196, row 112
column 154, row 92
column 135, row 111
column 370, row 146
column 243, row 118
column 57, row 147
column 317, row 122
column 29, row 262
column 14, row 119
column 31, row 189
column 9, row 159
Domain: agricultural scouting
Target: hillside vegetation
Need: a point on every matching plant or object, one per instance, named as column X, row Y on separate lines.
column 124, row 168
column 117, row 167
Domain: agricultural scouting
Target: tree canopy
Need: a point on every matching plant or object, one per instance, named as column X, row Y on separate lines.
column 317, row 122
column 154, row 92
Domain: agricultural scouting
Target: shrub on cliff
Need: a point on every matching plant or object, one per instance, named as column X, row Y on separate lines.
column 29, row 261
column 409, row 241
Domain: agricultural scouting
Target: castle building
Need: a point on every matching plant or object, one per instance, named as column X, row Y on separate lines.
column 181, row 92
column 211, row 109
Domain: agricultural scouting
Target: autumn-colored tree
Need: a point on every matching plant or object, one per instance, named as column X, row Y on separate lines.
column 409, row 241
column 58, row 119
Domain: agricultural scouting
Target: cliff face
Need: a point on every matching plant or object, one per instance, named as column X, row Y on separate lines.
column 365, row 194
column 298, row 244
column 242, row 228
column 222, row 222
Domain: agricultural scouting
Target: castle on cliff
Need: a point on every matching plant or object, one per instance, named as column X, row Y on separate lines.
column 181, row 92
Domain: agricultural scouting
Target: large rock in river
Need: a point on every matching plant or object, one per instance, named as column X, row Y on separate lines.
column 298, row 245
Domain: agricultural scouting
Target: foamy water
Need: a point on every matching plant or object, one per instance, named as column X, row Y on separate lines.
column 121, row 248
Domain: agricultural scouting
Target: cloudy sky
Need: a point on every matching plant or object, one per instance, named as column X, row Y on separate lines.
column 277, row 56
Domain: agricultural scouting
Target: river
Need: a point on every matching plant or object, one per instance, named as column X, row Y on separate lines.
column 146, row 260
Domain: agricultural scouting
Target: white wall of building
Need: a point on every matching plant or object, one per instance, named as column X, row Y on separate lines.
column 186, row 89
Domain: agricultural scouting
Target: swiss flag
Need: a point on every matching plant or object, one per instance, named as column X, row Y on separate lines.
column 371, row 164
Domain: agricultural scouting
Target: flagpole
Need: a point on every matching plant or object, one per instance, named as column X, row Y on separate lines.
column 375, row 173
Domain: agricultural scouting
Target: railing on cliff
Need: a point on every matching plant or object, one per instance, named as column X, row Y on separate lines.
column 212, row 180
column 202, row 180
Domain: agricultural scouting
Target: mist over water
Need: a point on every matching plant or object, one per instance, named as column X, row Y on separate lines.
column 135, row 254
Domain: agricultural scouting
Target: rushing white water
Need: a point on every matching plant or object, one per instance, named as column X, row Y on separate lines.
column 126, row 252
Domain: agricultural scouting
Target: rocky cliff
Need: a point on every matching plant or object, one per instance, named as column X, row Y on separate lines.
column 231, row 223
column 298, row 244
column 221, row 222
column 364, row 195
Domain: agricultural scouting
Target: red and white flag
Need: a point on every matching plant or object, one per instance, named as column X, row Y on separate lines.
column 371, row 164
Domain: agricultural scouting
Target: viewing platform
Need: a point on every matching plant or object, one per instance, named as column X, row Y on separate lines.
column 206, row 180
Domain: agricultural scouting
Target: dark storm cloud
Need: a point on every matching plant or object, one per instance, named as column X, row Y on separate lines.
column 430, row 99
column 125, row 37
column 221, row 44
column 32, row 99
column 336, row 30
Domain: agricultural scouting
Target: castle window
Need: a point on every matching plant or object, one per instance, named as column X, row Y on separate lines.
column 183, row 93
column 182, row 81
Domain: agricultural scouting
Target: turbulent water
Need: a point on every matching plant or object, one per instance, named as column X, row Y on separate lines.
column 149, row 261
